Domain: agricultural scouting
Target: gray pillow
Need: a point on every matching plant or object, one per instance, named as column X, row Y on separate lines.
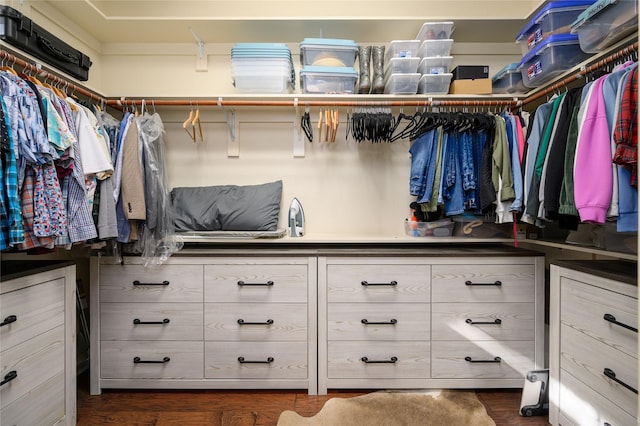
column 227, row 207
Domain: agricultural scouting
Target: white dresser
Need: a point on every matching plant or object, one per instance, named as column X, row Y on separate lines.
column 37, row 343
column 232, row 322
column 447, row 321
column 593, row 348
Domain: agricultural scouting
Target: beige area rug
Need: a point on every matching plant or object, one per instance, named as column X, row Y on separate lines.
column 397, row 408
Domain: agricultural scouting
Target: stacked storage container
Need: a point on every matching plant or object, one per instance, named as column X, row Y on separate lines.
column 327, row 65
column 547, row 45
column 262, row 67
column 604, row 23
column 435, row 57
column 401, row 67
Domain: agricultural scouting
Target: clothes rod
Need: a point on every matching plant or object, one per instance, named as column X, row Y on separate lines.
column 39, row 72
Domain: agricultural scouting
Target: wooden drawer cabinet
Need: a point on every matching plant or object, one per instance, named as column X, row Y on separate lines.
column 205, row 322
column 37, row 343
column 593, row 343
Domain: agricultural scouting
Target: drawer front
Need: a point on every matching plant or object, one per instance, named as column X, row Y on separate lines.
column 503, row 282
column 256, row 360
column 151, row 321
column 345, row 360
column 165, row 283
column 378, row 283
column 36, row 309
column 584, row 307
column 477, row 360
column 483, row 321
column 34, row 362
column 170, row 360
column 399, row 321
column 587, row 359
column 583, row 406
column 256, row 283
column 43, row 405
column 255, row 321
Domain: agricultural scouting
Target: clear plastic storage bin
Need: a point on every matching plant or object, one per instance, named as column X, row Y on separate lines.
column 437, row 228
column 554, row 18
column 435, row 31
column 401, row 49
column 328, row 52
column 435, row 65
column 327, row 79
column 402, row 84
column 430, row 48
column 604, row 23
column 508, row 80
column 552, row 57
column 437, row 84
column 402, row 65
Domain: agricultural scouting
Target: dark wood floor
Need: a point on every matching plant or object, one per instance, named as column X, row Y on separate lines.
column 242, row 408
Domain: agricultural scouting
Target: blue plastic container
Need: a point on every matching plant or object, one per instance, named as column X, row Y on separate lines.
column 508, row 80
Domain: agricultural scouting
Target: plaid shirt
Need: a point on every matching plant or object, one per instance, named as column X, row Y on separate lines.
column 625, row 132
column 11, row 231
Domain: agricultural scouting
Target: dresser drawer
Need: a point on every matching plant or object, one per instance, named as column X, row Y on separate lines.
column 157, row 360
column 587, row 358
column 43, row 405
column 36, row 309
column 393, row 321
column 34, row 362
column 481, row 360
column 151, row 321
column 584, row 308
column 256, row 360
column 256, row 283
column 582, row 406
column 498, row 282
column 483, row 321
column 384, row 283
column 255, row 321
column 165, row 283
column 378, row 360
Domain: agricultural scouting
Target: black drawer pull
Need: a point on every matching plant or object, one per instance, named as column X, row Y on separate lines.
column 8, row 320
column 243, row 322
column 9, row 377
column 612, row 319
column 612, row 375
column 241, row 360
column 469, row 359
column 267, row 284
column 391, row 283
column 164, row 321
column 472, row 322
column 391, row 360
column 392, row 321
column 495, row 283
column 136, row 282
column 137, row 360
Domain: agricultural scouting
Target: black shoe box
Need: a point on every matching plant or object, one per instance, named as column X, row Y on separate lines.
column 470, row 72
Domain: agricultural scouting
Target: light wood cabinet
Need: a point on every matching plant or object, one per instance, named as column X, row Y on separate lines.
column 37, row 343
column 593, row 354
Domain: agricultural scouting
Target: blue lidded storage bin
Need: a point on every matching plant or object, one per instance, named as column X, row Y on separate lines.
column 328, row 52
column 554, row 18
column 314, row 79
column 604, row 23
column 555, row 55
column 508, row 80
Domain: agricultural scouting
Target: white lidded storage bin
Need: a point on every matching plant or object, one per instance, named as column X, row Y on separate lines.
column 315, row 79
column 437, row 84
column 554, row 18
column 402, row 84
column 508, row 80
column 401, row 49
column 557, row 54
column 435, row 31
column 435, row 64
column 402, row 65
column 328, row 52
column 430, row 48
column 604, row 23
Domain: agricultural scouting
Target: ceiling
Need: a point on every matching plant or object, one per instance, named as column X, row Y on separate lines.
column 230, row 21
